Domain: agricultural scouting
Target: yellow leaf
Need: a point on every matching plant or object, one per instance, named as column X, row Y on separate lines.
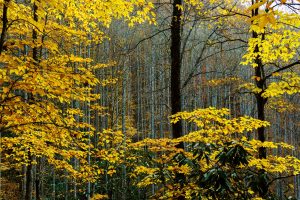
column 271, row 18
column 257, row 5
column 263, row 21
column 99, row 197
column 255, row 78
column 5, row 90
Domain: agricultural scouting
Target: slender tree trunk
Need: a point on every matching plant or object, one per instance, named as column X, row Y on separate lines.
column 139, row 119
column 32, row 183
column 66, row 185
column 34, row 34
column 260, row 104
column 34, row 177
column 124, row 102
column 54, row 184
column 29, row 168
column 24, row 170
column 176, row 67
column 38, row 179
column 4, row 24
column 203, row 89
column 88, row 115
column 29, row 178
column 75, row 105
column 152, row 98
column 89, row 149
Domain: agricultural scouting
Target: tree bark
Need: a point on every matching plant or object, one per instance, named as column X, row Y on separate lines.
column 29, row 183
column 260, row 101
column 176, row 67
column 34, row 34
column 39, row 180
column 23, row 182
column 260, row 104
column 4, row 25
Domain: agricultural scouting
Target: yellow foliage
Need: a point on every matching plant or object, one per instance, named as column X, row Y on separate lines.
column 99, row 197
column 217, row 132
column 281, row 42
column 289, row 84
column 282, row 105
column 42, row 95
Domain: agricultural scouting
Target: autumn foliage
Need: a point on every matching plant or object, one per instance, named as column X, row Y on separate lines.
column 50, row 106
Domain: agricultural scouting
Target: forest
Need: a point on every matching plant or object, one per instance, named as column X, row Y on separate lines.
column 149, row 99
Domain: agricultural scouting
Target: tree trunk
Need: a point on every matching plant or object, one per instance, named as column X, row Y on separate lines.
column 260, row 104
column 124, row 110
column 176, row 67
column 34, row 34
column 4, row 24
column 176, row 70
column 38, row 179
column 23, row 184
column 29, row 183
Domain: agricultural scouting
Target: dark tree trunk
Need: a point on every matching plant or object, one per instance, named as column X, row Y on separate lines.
column 176, row 71
column 29, row 183
column 35, row 58
column 23, row 182
column 38, row 179
column 260, row 101
column 176, row 66
column 34, row 34
column 260, row 83
column 260, row 104
column 4, row 25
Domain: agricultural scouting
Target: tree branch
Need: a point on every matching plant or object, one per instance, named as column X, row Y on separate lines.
column 282, row 69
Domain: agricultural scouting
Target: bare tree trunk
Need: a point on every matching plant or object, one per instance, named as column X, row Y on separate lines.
column 38, row 179
column 4, row 25
column 66, row 186
column 54, row 185
column 88, row 115
column 29, row 178
column 124, row 102
column 152, row 99
column 176, row 67
column 23, row 189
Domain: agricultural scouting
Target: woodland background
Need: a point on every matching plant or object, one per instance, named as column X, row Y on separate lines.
column 88, row 88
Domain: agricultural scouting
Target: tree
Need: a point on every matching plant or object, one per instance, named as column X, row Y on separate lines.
column 272, row 49
column 220, row 163
column 39, row 81
column 176, row 66
column 82, row 89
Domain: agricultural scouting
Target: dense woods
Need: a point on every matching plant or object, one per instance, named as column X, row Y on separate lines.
column 140, row 99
